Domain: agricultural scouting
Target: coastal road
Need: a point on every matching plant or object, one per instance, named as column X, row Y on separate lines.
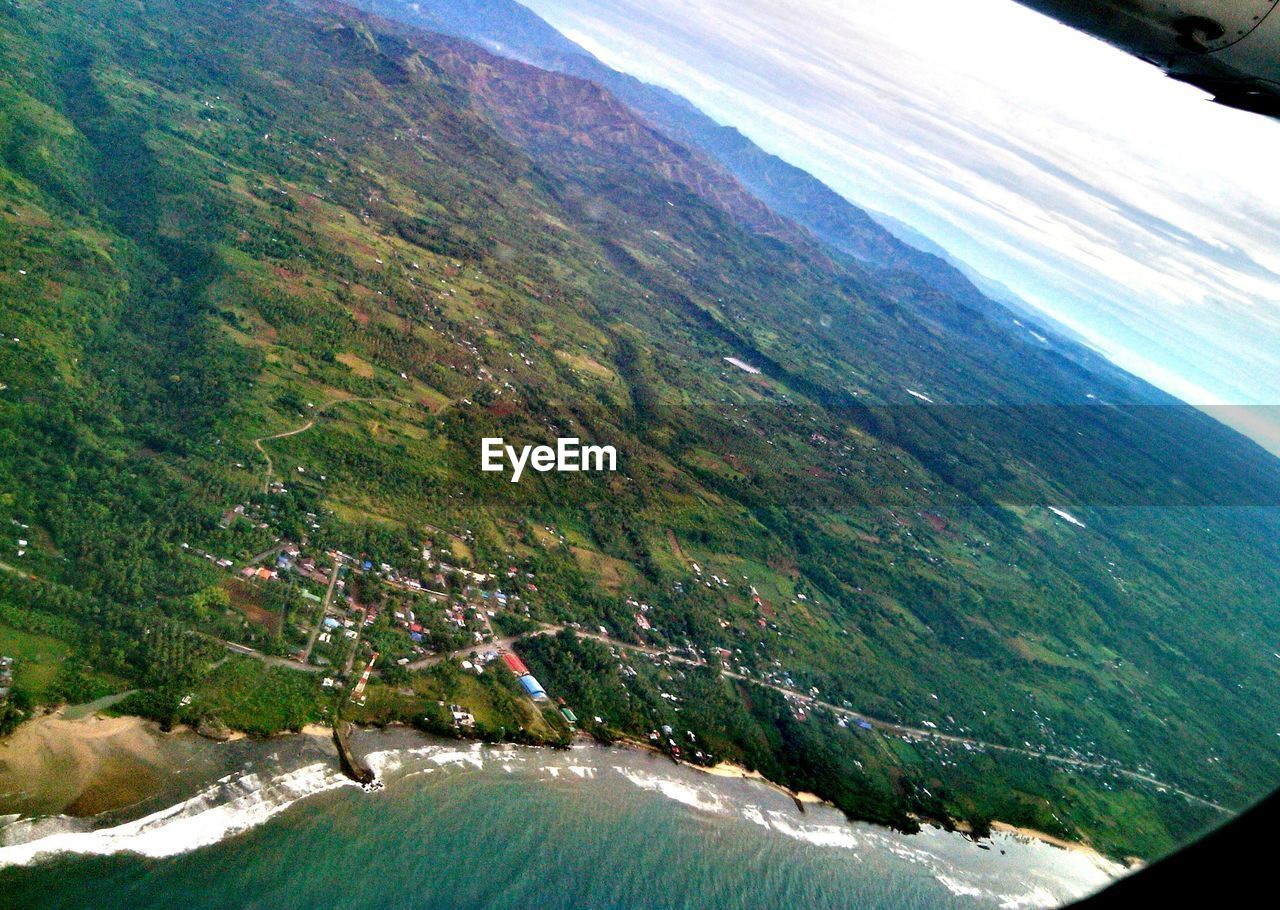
column 887, row 726
column 902, row 729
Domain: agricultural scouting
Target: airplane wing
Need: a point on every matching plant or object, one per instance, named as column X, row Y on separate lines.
column 1229, row 48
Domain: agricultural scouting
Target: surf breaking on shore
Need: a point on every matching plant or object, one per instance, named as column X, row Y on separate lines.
column 248, row 798
column 229, row 807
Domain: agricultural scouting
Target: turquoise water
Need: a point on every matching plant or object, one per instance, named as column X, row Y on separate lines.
column 464, row 827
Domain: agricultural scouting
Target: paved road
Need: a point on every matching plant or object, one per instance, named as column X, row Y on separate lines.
column 902, row 729
column 355, row 643
column 270, row 660
column 266, row 554
column 497, row 644
column 888, row 726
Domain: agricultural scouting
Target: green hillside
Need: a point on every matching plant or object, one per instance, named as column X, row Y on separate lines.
column 225, row 222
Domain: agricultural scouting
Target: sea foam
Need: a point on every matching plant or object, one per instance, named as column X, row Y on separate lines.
column 230, row 806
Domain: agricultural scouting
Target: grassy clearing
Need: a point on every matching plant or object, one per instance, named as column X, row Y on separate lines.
column 500, row 711
column 39, row 658
column 249, row 695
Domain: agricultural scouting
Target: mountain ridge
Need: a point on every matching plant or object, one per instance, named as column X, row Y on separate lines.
column 510, row 29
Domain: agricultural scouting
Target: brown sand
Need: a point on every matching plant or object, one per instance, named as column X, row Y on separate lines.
column 729, row 769
column 80, row 767
column 1102, row 862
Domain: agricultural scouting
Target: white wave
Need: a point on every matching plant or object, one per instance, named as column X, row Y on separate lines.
column 680, row 791
column 459, row 758
column 959, row 888
column 818, row 835
column 583, row 772
column 1039, row 896
column 389, row 761
column 860, row 839
column 216, row 813
column 840, row 836
column 1036, row 897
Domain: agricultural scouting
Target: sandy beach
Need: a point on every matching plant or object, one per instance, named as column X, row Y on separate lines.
column 1084, row 849
column 729, row 769
column 70, row 763
column 81, row 767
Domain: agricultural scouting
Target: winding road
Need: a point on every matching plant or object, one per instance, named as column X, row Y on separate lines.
column 257, row 443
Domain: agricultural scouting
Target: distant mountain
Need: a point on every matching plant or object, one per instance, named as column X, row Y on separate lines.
column 993, row 289
column 916, row 267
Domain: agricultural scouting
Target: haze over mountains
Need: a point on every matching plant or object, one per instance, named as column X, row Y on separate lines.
column 514, row 30
column 511, row 29
column 899, row 254
column 1121, row 201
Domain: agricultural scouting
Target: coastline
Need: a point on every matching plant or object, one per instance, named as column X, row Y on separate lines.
column 594, row 817
column 1131, row 864
column 93, row 765
column 730, row 770
column 87, row 765
column 738, row 772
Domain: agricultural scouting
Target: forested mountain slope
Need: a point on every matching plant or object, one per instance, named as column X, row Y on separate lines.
column 220, row 220
column 912, row 271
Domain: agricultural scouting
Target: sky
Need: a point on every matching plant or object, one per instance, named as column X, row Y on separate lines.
column 1123, row 204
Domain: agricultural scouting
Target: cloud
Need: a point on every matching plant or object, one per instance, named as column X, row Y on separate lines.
column 1120, row 202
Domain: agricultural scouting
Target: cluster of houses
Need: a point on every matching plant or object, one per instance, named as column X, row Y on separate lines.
column 230, row 516
column 6, row 678
column 467, row 598
column 220, row 561
column 641, row 611
column 23, row 543
column 468, row 611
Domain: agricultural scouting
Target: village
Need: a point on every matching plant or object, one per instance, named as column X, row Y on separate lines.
column 353, row 620
column 6, row 678
column 350, row 619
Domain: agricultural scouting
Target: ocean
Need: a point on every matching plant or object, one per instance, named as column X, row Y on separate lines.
column 469, row 826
